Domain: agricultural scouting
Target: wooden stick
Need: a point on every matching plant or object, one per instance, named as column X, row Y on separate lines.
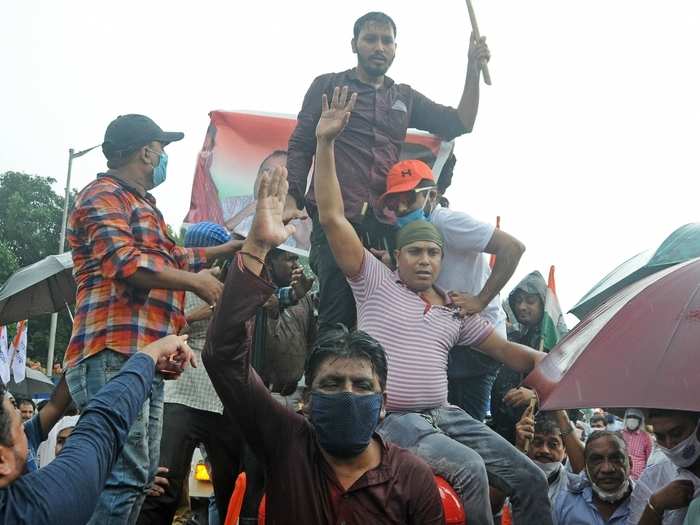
column 529, row 412
column 475, row 29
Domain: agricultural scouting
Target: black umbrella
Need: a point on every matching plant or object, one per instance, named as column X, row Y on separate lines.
column 44, row 287
column 34, row 383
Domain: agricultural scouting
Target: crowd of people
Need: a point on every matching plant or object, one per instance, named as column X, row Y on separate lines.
column 341, row 402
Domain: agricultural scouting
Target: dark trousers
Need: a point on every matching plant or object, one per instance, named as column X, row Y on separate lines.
column 336, row 302
column 255, row 486
column 470, row 377
column 184, row 428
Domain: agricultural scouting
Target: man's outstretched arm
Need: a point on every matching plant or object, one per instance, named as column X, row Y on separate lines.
column 515, row 356
column 66, row 490
column 344, row 242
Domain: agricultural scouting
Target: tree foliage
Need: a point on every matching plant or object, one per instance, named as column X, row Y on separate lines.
column 179, row 238
column 30, row 225
column 8, row 261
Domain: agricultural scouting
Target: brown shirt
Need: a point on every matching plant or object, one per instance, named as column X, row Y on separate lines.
column 370, row 144
column 288, row 339
column 300, row 484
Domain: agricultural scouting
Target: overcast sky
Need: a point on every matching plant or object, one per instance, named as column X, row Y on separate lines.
column 586, row 144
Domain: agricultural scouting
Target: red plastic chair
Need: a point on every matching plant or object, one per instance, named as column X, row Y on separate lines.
column 451, row 505
column 236, row 502
column 507, row 517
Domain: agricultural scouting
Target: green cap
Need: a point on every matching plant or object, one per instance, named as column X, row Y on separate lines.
column 418, row 231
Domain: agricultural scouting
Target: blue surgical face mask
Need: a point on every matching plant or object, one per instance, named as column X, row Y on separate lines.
column 344, row 422
column 416, row 215
column 160, row 171
column 419, row 214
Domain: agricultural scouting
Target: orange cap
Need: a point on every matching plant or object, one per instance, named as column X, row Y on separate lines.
column 405, row 176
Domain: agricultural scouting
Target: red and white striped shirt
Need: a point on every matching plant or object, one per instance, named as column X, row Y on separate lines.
column 416, row 336
column 639, row 447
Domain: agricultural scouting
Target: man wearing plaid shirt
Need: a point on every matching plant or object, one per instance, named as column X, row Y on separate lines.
column 131, row 280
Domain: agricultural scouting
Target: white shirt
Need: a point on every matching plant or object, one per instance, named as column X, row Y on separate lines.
column 465, row 266
column 654, row 478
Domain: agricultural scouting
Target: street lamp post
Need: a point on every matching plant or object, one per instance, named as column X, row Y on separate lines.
column 61, row 243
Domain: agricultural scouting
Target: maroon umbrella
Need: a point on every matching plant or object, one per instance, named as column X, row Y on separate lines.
column 641, row 348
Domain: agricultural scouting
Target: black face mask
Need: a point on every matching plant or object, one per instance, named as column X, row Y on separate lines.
column 345, row 422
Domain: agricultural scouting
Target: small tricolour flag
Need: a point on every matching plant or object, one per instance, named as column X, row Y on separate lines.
column 18, row 350
column 553, row 324
column 4, row 356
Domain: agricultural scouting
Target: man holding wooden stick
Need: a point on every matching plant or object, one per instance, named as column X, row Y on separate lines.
column 369, row 147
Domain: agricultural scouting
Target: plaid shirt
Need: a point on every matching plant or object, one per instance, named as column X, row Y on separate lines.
column 113, row 231
column 639, row 447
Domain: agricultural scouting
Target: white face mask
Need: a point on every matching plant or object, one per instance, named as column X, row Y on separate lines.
column 686, row 452
column 548, row 468
column 611, row 497
column 632, row 423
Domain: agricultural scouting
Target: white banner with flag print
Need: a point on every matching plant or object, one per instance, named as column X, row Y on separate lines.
column 4, row 356
column 18, row 350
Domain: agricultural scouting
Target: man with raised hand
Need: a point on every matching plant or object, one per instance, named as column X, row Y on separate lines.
column 327, row 466
column 369, row 147
column 417, row 324
column 549, row 440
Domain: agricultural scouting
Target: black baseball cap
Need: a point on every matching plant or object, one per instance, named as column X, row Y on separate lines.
column 127, row 133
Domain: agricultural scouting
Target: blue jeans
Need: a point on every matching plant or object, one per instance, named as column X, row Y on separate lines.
column 136, row 465
column 471, row 375
column 470, row 456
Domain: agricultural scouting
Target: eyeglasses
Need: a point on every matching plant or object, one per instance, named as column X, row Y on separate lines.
column 407, row 197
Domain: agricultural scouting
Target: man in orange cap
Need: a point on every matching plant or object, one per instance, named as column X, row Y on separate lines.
column 412, row 195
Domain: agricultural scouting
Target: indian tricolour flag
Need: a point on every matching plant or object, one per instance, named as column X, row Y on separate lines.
column 553, row 324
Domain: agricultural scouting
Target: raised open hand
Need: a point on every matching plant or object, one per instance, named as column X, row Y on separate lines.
column 335, row 117
column 268, row 229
